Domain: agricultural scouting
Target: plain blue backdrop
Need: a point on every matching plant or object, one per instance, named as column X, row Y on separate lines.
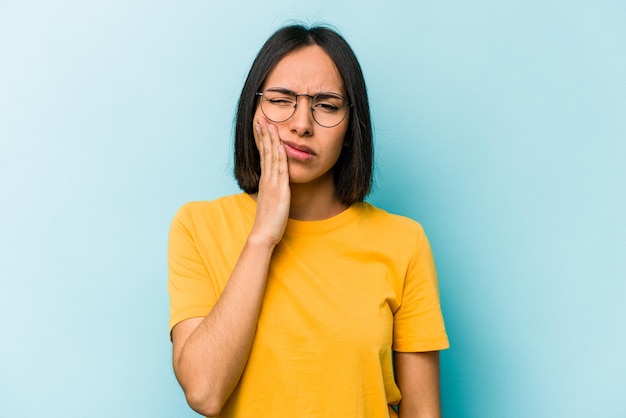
column 500, row 126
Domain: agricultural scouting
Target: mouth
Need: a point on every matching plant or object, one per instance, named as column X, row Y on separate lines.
column 297, row 151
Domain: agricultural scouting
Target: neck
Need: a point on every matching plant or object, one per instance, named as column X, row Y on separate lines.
column 314, row 202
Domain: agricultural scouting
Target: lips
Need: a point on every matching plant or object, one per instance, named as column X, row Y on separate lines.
column 298, row 151
column 302, row 148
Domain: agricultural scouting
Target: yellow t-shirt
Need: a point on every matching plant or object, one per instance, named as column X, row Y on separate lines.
column 342, row 293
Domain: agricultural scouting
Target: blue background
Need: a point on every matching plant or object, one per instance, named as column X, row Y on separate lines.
column 499, row 126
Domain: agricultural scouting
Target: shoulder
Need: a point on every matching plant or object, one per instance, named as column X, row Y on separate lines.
column 218, row 214
column 224, row 202
column 207, row 208
column 390, row 232
column 390, row 222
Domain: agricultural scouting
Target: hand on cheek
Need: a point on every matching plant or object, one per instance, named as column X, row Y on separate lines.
column 274, row 196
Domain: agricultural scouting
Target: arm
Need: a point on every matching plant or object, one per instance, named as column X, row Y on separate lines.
column 417, row 376
column 209, row 354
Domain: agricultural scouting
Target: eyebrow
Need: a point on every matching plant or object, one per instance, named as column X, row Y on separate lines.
column 293, row 93
column 281, row 90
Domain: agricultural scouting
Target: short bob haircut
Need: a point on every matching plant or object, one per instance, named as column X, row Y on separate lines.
column 353, row 171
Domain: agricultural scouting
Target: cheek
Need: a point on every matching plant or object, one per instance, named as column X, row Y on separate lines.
column 337, row 144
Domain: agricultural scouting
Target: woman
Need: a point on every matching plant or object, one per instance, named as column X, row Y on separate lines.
column 295, row 298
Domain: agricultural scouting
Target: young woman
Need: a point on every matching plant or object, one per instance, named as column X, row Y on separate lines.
column 295, row 298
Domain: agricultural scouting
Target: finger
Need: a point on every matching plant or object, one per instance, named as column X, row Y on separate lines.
column 260, row 129
column 279, row 162
column 262, row 138
column 282, row 162
column 275, row 172
column 257, row 133
column 273, row 137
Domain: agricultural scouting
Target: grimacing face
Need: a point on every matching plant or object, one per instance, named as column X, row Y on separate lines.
column 312, row 150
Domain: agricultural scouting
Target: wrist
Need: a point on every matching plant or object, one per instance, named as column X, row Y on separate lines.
column 260, row 243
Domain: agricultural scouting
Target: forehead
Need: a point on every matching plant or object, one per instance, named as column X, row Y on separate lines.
column 308, row 70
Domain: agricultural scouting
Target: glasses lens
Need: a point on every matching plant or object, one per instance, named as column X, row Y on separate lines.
column 328, row 109
column 278, row 106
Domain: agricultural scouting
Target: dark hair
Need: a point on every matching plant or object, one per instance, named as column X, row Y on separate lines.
column 353, row 171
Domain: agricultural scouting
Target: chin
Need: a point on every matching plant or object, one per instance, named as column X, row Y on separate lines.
column 309, row 179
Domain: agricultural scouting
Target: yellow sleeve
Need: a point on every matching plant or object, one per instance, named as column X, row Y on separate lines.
column 191, row 292
column 418, row 322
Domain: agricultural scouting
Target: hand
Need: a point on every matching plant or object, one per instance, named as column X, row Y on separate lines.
column 274, row 196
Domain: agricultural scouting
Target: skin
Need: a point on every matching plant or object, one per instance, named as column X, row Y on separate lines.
column 210, row 353
column 417, row 376
column 309, row 71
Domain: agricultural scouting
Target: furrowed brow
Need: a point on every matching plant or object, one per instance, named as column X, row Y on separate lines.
column 282, row 90
column 329, row 95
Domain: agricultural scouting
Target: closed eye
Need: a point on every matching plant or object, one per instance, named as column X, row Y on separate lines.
column 326, row 107
column 281, row 101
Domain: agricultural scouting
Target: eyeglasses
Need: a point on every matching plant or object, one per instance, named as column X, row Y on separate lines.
column 279, row 105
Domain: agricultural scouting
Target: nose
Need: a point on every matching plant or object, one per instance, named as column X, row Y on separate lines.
column 302, row 123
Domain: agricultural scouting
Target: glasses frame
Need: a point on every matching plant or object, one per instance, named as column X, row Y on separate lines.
column 260, row 95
